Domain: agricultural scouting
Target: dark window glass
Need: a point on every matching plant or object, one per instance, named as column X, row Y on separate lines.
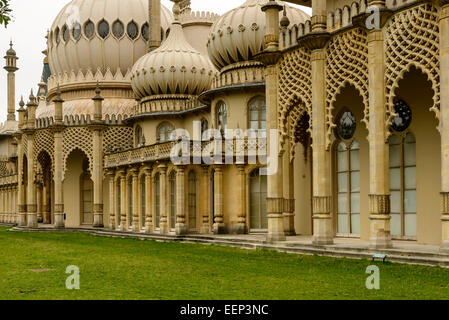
column 103, row 29
column 347, row 125
column 118, row 29
column 133, row 30
column 66, row 33
column 77, row 31
column 146, row 32
column 404, row 118
column 89, row 30
column 57, row 35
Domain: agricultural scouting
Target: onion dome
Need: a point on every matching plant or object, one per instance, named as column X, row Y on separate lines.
column 11, row 51
column 100, row 35
column 174, row 68
column 239, row 34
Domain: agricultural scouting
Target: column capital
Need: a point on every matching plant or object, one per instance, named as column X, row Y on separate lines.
column 379, row 204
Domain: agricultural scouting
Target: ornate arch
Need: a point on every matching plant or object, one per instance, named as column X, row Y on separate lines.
column 346, row 63
column 412, row 39
column 295, row 88
column 44, row 141
column 77, row 138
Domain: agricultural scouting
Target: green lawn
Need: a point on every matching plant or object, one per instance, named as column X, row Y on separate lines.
column 112, row 268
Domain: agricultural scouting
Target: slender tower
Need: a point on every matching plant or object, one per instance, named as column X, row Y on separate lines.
column 154, row 21
column 11, row 67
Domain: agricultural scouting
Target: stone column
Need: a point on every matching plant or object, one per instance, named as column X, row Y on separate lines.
column 204, row 200
column 241, row 227
column 123, row 201
column 379, row 198
column 219, row 226
column 164, row 227
column 59, row 201
column 319, row 15
column 40, row 217
column 149, row 227
column 11, row 68
column 444, row 120
column 111, row 176
column 31, row 188
column 21, row 188
column 289, row 195
column 97, row 177
column 181, row 227
column 135, row 197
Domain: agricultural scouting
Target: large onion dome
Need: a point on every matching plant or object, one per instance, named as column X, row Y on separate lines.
column 239, row 34
column 174, row 68
column 100, row 35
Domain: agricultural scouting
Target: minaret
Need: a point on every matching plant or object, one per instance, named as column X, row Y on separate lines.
column 154, row 21
column 11, row 67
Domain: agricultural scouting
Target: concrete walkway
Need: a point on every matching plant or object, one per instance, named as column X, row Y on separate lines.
column 402, row 251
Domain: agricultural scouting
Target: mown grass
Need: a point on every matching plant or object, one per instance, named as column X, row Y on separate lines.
column 115, row 268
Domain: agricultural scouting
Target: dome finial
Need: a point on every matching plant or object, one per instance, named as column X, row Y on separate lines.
column 176, row 9
column 285, row 21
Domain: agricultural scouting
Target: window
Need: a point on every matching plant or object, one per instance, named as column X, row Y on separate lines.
column 192, row 200
column 204, row 128
column 57, row 35
column 146, row 32
column 164, row 132
column 348, row 188
column 222, row 115
column 258, row 201
column 133, row 30
column 257, row 111
column 143, row 200
column 140, row 138
column 403, row 185
column 65, row 33
column 130, row 201
column 86, row 198
column 157, row 199
column 118, row 29
column 103, row 29
column 89, row 29
column 172, row 182
column 77, row 31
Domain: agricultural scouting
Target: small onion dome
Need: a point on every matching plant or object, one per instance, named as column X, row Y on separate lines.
column 239, row 34
column 11, row 51
column 174, row 68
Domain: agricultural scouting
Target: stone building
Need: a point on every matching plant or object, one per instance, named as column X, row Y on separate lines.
column 358, row 108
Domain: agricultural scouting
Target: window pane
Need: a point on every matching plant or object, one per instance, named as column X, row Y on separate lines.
column 355, row 202
column 410, row 201
column 410, row 178
column 355, row 161
column 343, row 182
column 395, row 179
column 355, row 223
column 396, row 202
column 355, row 181
column 410, row 225
column 395, row 155
column 343, row 223
column 342, row 203
column 395, row 224
column 410, row 154
column 342, row 161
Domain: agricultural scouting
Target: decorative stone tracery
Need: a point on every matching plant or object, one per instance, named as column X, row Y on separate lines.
column 347, row 63
column 117, row 138
column 77, row 138
column 44, row 141
column 412, row 39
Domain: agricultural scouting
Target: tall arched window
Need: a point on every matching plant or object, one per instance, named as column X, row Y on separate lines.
column 347, row 176
column 403, row 185
column 204, row 128
column 157, row 199
column 172, row 182
column 140, row 138
column 130, row 201
column 258, row 200
column 222, row 116
column 257, row 111
column 86, row 198
column 164, row 132
column 192, row 200
column 143, row 200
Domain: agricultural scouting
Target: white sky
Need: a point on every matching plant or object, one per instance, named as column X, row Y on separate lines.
column 32, row 19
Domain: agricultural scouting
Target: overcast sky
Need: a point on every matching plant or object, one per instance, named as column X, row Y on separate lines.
column 32, row 19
